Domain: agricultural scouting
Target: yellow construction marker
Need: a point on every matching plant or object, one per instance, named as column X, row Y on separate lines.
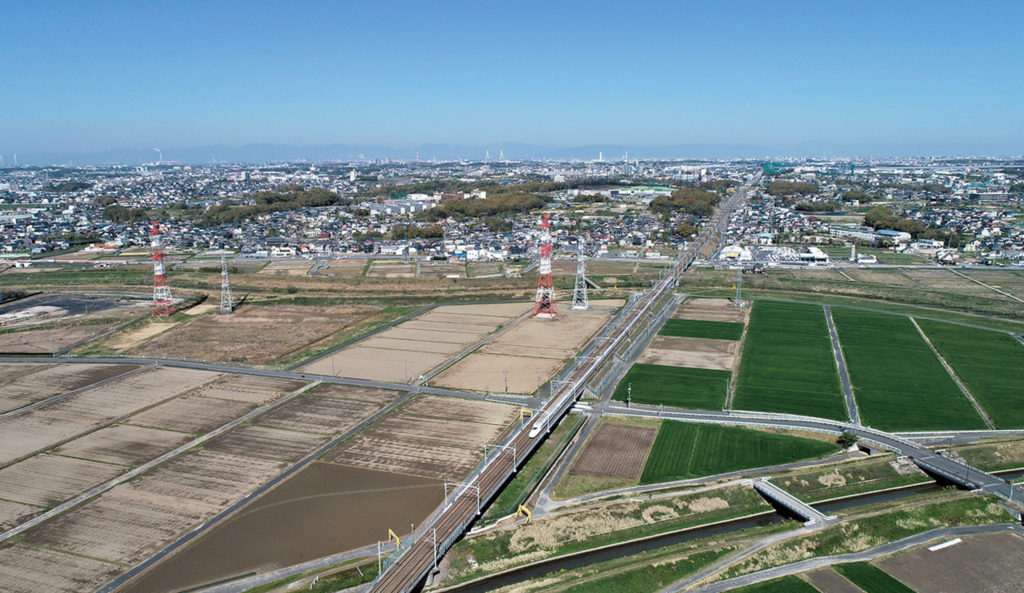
column 392, row 536
column 524, row 511
column 525, row 412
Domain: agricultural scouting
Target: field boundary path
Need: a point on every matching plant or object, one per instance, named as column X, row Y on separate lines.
column 956, row 377
column 151, row 464
column 992, row 288
column 820, row 562
column 844, row 375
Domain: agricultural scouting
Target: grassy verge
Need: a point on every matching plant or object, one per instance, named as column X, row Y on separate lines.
column 989, row 365
column 530, row 475
column 787, row 363
column 683, row 450
column 877, row 525
column 899, row 382
column 695, row 328
column 330, row 582
column 870, row 578
column 994, row 454
column 592, row 526
column 680, row 387
column 648, row 577
column 848, row 478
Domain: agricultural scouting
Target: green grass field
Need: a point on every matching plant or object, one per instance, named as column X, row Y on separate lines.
column 898, row 381
column 787, row 363
column 988, row 363
column 683, row 450
column 648, row 578
column 696, row 328
column 788, row 584
column 680, row 387
column 871, row 579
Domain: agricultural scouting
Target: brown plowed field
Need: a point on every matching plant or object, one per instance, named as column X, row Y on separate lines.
column 436, row 406
column 122, row 397
column 711, row 310
column 344, row 268
column 615, row 451
column 191, row 414
column 23, row 384
column 507, row 310
column 377, row 364
column 827, row 580
column 125, row 524
column 446, row 348
column 483, row 371
column 48, row 341
column 48, row 480
column 698, row 353
column 14, row 513
column 26, row 569
column 467, row 320
column 267, row 443
column 318, row 414
column 981, row 564
column 124, row 444
column 35, row 430
column 248, row 334
column 212, row 478
column 364, row 394
column 250, row 388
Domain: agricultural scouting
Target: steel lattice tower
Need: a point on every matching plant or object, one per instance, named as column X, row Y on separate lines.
column 225, row 287
column 579, row 293
column 545, row 306
column 163, row 304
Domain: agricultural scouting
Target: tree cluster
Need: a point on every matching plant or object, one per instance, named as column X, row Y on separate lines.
column 781, row 187
column 719, row 184
column 812, row 206
column 498, row 204
column 268, row 202
column 67, row 186
column 687, row 200
column 123, row 215
column 882, row 217
column 407, row 231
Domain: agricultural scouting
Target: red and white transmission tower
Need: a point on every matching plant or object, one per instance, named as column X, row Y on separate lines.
column 163, row 304
column 545, row 307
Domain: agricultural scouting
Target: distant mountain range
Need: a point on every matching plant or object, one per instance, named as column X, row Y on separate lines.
column 280, row 153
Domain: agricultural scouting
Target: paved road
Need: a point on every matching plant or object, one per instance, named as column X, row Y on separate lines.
column 844, row 376
column 813, row 563
column 810, row 514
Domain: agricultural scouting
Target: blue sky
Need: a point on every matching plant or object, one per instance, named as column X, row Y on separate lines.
column 86, row 76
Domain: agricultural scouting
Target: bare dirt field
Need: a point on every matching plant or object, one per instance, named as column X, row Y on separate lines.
column 53, row 423
column 531, row 352
column 615, row 451
column 711, row 310
column 827, row 580
column 267, row 443
column 195, row 415
column 981, row 564
column 27, row 569
column 363, row 394
column 381, row 269
column 207, row 476
column 442, row 271
column 318, row 414
column 201, row 309
column 23, row 384
column 132, row 336
column 47, row 341
column 432, row 447
column 248, row 335
column 698, row 353
column 334, row 507
column 14, row 513
column 946, row 281
column 287, row 268
column 417, row 346
column 436, row 406
column 249, row 388
column 48, row 480
column 344, row 268
column 485, row 372
column 892, row 277
column 124, row 444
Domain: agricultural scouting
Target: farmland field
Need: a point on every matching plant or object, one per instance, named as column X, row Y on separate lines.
column 790, row 584
column 696, row 328
column 871, row 579
column 681, row 387
column 787, row 363
column 615, row 451
column 898, row 381
column 683, row 450
column 988, row 363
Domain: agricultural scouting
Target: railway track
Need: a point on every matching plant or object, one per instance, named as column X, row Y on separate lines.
column 416, row 560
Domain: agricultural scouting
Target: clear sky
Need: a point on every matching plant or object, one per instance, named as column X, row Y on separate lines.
column 95, row 75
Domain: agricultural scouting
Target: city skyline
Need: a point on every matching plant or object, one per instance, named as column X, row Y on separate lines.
column 745, row 80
